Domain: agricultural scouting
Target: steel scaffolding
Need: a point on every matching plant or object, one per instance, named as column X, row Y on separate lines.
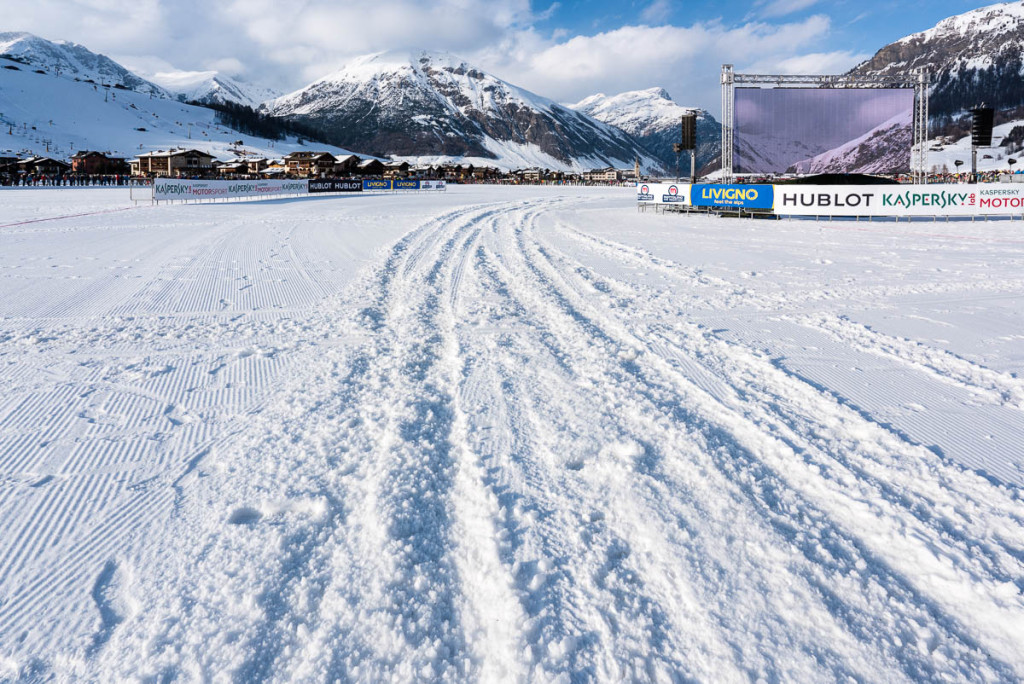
column 919, row 82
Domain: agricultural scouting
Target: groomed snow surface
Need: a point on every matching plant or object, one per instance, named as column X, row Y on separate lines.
column 505, row 434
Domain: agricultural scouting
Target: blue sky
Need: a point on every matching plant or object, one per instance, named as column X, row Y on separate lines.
column 564, row 50
column 864, row 25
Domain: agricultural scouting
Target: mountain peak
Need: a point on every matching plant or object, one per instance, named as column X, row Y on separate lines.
column 213, row 87
column 72, row 60
column 653, row 118
column 970, row 57
column 423, row 103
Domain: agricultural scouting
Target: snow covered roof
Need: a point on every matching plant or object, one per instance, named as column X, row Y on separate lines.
column 174, row 153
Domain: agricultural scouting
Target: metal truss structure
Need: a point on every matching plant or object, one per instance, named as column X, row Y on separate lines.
column 919, row 82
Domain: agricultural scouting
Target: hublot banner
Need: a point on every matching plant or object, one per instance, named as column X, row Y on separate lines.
column 336, row 185
column 900, row 200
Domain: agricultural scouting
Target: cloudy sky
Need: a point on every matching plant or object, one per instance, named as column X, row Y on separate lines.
column 564, row 50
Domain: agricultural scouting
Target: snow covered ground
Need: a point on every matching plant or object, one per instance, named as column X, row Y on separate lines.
column 502, row 434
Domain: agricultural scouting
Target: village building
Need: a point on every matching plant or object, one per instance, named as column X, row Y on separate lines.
column 422, row 171
column 310, row 164
column 605, row 175
column 370, row 167
column 346, row 165
column 455, row 172
column 173, row 163
column 396, row 169
column 44, row 166
column 9, row 170
column 484, row 173
column 256, row 166
column 94, row 163
column 275, row 168
column 532, row 175
column 233, row 167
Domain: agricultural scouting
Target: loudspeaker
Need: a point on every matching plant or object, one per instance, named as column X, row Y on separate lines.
column 981, row 126
column 689, row 141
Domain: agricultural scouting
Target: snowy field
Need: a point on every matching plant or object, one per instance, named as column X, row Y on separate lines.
column 505, row 434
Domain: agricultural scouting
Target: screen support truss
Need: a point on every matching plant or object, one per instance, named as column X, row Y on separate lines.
column 919, row 82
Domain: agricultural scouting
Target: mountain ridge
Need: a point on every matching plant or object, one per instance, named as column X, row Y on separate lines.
column 420, row 103
column 71, row 60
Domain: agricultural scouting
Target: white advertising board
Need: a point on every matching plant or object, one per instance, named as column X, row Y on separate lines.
column 663, row 193
column 184, row 189
column 433, row 185
column 983, row 199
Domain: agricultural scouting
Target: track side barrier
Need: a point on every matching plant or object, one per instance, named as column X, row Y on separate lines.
column 841, row 201
column 186, row 190
column 165, row 189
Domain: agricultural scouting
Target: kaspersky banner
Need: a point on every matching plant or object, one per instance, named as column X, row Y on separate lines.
column 983, row 199
column 663, row 193
column 185, row 189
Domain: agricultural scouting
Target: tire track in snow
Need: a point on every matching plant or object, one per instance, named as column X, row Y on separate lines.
column 600, row 363
column 514, row 436
column 396, row 463
column 1002, row 388
column 952, row 479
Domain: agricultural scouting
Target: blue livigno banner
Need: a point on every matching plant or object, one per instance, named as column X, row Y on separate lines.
column 376, row 184
column 740, row 196
column 406, row 184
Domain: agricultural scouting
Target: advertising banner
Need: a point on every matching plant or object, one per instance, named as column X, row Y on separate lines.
column 336, row 185
column 376, row 184
column 663, row 193
column 900, row 200
column 433, row 185
column 738, row 196
column 406, row 184
column 184, row 189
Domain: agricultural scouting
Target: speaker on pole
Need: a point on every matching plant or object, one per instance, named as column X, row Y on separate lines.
column 982, row 118
column 689, row 139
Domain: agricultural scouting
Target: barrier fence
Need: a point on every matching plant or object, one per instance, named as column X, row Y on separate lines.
column 164, row 189
column 988, row 199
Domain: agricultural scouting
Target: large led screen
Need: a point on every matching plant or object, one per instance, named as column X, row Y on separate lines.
column 823, row 130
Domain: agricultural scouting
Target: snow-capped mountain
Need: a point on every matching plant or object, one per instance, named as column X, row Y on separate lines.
column 972, row 57
column 653, row 119
column 211, row 87
column 884, row 149
column 57, row 115
column 435, row 104
column 70, row 60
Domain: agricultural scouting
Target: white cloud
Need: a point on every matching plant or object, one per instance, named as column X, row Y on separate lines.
column 285, row 45
column 685, row 60
column 781, row 8
column 657, row 12
column 820, row 63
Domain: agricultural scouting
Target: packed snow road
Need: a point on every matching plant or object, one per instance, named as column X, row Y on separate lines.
column 506, row 434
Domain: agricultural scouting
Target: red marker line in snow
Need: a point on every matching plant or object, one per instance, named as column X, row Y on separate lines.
column 64, row 216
